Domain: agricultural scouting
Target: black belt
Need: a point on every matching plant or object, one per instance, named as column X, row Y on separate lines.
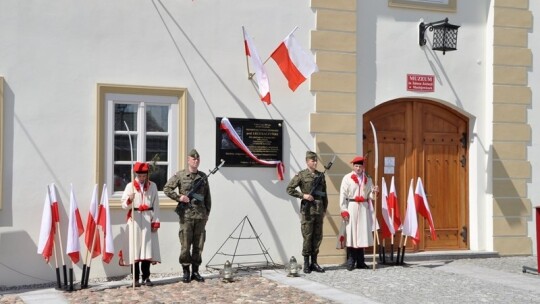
column 149, row 209
column 354, row 200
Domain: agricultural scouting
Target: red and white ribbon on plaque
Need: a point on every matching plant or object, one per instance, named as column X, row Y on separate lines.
column 235, row 138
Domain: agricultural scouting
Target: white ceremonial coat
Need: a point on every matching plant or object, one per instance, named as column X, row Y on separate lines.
column 359, row 228
column 146, row 241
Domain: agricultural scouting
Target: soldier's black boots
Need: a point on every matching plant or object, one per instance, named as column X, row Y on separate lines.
column 360, row 260
column 307, row 267
column 314, row 266
column 350, row 259
column 186, row 278
column 195, row 275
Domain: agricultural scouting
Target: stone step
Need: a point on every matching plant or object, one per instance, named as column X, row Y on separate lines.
column 443, row 255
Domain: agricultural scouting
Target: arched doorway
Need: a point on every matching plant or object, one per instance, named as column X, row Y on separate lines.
column 426, row 139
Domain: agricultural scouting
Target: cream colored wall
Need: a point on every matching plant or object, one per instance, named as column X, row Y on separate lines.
column 1, row 140
column 512, row 133
column 334, row 86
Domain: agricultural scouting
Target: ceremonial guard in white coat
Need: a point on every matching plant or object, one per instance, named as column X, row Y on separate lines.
column 144, row 245
column 356, row 195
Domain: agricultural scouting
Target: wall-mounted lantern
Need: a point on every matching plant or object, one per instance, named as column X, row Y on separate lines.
column 444, row 35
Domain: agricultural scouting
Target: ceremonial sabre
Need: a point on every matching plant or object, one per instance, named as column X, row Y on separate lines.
column 375, row 235
column 132, row 207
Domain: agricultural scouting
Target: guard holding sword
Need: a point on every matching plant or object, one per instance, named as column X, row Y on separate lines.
column 355, row 196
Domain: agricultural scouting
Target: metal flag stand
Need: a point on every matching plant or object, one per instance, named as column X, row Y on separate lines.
column 267, row 263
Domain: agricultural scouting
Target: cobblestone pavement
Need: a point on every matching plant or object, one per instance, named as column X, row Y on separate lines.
column 487, row 280
column 491, row 280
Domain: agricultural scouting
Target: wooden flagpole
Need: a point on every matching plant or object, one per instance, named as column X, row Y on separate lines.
column 250, row 75
column 376, row 236
column 58, row 280
column 64, row 269
column 85, row 283
column 403, row 250
column 392, row 238
column 132, row 230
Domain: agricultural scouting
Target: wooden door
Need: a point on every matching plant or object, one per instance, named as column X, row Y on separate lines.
column 420, row 138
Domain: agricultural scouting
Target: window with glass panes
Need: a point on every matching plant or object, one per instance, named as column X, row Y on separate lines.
column 145, row 124
column 142, row 129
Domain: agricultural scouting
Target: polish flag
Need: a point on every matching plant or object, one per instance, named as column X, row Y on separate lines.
column 374, row 221
column 393, row 206
column 47, row 231
column 75, row 229
column 423, row 207
column 260, row 72
column 410, row 226
column 104, row 220
column 387, row 229
column 295, row 63
column 54, row 203
column 91, row 222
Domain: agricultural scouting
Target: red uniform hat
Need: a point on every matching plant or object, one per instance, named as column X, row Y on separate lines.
column 140, row 167
column 358, row 160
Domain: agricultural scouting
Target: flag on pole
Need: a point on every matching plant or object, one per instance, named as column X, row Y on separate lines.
column 410, row 225
column 104, row 220
column 423, row 207
column 47, row 231
column 54, row 203
column 374, row 221
column 75, row 229
column 387, row 229
column 393, row 205
column 295, row 63
column 91, row 223
column 260, row 72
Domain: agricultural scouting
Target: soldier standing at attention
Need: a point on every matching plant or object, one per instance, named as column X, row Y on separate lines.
column 193, row 215
column 312, row 208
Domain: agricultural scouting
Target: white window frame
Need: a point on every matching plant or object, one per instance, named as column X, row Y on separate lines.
column 108, row 95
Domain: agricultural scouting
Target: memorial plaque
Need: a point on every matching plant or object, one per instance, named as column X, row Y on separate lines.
column 262, row 137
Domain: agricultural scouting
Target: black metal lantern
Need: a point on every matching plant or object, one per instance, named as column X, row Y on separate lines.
column 444, row 35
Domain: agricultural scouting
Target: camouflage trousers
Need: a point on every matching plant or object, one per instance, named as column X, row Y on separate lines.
column 312, row 232
column 192, row 236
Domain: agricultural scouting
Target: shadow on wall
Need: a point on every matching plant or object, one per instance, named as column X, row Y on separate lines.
column 18, row 244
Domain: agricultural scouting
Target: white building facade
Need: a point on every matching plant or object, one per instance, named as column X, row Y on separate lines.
column 68, row 70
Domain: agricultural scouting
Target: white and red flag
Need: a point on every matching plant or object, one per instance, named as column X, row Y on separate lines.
column 104, row 220
column 91, row 236
column 387, row 229
column 393, row 206
column 75, row 229
column 227, row 127
column 47, row 231
column 422, row 206
column 410, row 225
column 54, row 203
column 263, row 85
column 295, row 63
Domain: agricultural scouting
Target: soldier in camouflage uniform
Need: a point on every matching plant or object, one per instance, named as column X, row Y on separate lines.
column 193, row 217
column 312, row 208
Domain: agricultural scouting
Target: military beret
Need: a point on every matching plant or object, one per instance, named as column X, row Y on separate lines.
column 311, row 155
column 358, row 160
column 140, row 167
column 193, row 153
